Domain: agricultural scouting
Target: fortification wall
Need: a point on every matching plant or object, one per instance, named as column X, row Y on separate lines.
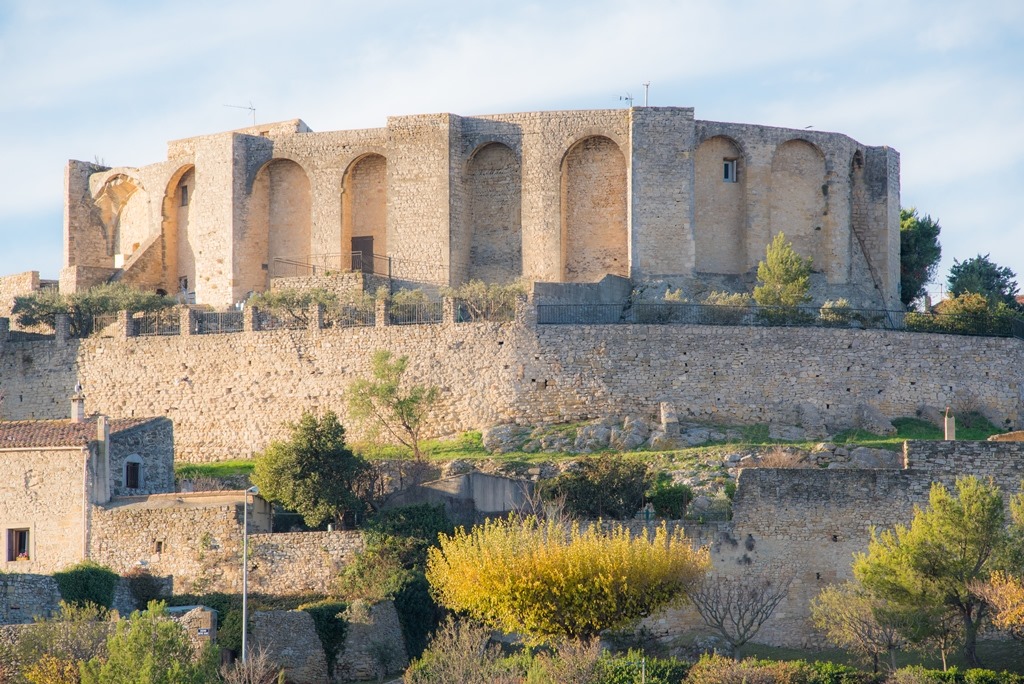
column 198, row 547
column 228, row 395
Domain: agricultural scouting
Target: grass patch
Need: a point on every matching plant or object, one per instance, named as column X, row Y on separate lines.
column 217, row 469
column 976, row 428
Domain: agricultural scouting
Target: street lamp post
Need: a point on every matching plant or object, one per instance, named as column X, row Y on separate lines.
column 245, row 567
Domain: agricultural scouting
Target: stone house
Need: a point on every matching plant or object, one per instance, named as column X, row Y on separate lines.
column 56, row 471
column 646, row 193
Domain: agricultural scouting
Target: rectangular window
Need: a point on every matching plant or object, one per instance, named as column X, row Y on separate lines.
column 17, row 545
column 132, row 475
column 184, row 195
column 729, row 170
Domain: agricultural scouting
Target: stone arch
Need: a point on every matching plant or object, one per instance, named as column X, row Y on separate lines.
column 280, row 216
column 798, row 198
column 496, row 229
column 180, row 245
column 595, row 239
column 364, row 211
column 720, row 213
column 124, row 215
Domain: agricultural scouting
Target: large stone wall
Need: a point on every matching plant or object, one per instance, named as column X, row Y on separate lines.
column 228, row 395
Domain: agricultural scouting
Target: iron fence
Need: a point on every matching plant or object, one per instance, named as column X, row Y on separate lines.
column 419, row 312
column 213, row 322
column 157, row 323
column 673, row 313
column 472, row 310
column 270, row 320
column 349, row 316
column 100, row 324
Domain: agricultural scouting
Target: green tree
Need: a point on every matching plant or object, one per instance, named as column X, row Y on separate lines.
column 54, row 646
column 783, row 276
column 150, row 648
column 313, row 473
column 920, row 253
column 604, row 486
column 935, row 563
column 42, row 308
column 853, row 619
column 979, row 275
column 548, row 581
column 385, row 404
column 293, row 304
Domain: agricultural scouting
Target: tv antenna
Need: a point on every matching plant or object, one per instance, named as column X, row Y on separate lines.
column 647, row 87
column 628, row 97
column 249, row 107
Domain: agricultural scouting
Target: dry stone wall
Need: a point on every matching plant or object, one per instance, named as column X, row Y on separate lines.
column 229, row 395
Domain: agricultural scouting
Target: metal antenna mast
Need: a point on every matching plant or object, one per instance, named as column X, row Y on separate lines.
column 250, row 108
column 629, row 97
column 647, row 87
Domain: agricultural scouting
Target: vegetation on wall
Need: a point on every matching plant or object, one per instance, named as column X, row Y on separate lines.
column 87, row 582
column 387, row 403
column 480, row 301
column 293, row 304
column 81, row 308
column 920, row 253
column 313, row 473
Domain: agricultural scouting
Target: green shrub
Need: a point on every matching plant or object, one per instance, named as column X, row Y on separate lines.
column 605, row 486
column 835, row 313
column 669, row 500
column 479, row 301
column 827, row 672
column 143, row 586
column 87, row 582
column 726, row 308
column 43, row 307
column 330, row 626
column 626, row 668
column 294, row 304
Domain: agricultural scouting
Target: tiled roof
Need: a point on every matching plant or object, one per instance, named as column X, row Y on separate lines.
column 32, row 434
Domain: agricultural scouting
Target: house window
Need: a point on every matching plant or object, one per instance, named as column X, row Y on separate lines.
column 158, row 547
column 133, row 472
column 17, row 545
column 184, row 195
column 729, row 170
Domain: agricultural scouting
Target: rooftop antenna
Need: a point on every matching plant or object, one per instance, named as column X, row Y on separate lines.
column 629, row 97
column 647, row 87
column 250, row 108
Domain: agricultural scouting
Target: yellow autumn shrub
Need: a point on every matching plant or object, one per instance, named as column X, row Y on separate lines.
column 545, row 580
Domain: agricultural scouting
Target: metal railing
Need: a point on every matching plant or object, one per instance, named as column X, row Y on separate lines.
column 101, row 322
column 327, row 264
column 501, row 311
column 671, row 313
column 269, row 320
column 349, row 316
column 157, row 323
column 409, row 314
column 213, row 322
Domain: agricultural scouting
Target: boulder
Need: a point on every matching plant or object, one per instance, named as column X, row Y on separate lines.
column 290, row 641
column 502, row 439
column 624, row 440
column 789, row 433
column 662, row 440
column 869, row 418
column 592, row 437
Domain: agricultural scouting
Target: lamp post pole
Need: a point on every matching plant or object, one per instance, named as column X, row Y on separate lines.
column 245, row 568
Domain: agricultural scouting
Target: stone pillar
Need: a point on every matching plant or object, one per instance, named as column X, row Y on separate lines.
column 316, row 316
column 248, row 318
column 448, row 311
column 187, row 322
column 381, row 312
column 61, row 328
column 125, row 324
column 526, row 312
column 950, row 425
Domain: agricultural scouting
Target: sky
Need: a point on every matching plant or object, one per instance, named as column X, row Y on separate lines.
column 941, row 81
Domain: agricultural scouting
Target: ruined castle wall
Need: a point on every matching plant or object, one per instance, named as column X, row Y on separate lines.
column 198, row 546
column 43, row 491
column 14, row 286
column 719, row 230
column 229, row 394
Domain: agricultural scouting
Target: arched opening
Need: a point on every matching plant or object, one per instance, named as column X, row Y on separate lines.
column 280, row 221
column 595, row 238
column 364, row 203
column 180, row 245
column 123, row 215
column 720, row 206
column 798, row 194
column 496, row 232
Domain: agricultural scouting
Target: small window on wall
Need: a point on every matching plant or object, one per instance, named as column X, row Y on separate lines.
column 729, row 170
column 17, row 545
column 133, row 472
column 184, row 195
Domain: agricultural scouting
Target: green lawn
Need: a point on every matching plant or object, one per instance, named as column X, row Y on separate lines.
column 704, row 459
